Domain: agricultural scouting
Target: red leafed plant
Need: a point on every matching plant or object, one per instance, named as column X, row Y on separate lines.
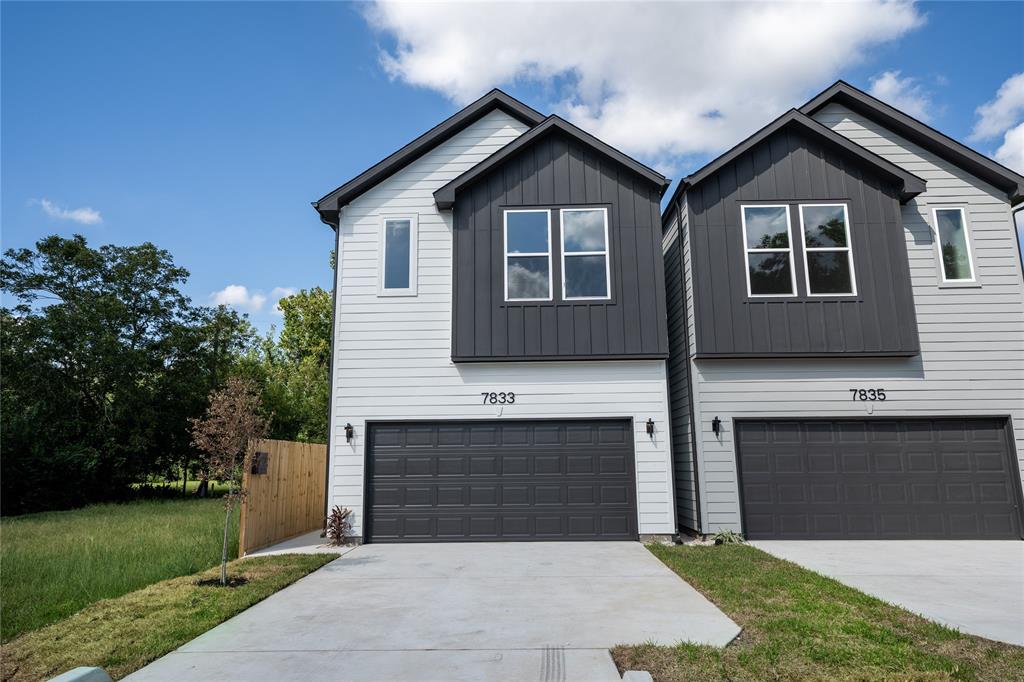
column 227, row 436
column 339, row 527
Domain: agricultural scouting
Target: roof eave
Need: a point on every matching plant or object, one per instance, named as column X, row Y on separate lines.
column 493, row 100
column 444, row 197
column 970, row 160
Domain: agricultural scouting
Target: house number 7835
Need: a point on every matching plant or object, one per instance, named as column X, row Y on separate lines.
column 867, row 394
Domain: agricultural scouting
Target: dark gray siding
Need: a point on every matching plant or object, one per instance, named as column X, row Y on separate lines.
column 790, row 167
column 679, row 389
column 557, row 171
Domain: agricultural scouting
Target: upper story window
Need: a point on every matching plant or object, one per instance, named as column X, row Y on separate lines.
column 398, row 256
column 828, row 256
column 769, row 250
column 585, row 271
column 527, row 255
column 954, row 245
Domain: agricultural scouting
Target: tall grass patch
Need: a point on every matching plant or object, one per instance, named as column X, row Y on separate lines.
column 55, row 563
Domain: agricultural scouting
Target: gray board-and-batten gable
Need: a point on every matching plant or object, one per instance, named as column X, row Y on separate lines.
column 791, row 161
column 554, row 166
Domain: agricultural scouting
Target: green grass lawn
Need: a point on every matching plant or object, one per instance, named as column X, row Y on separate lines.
column 798, row 625
column 54, row 563
column 121, row 635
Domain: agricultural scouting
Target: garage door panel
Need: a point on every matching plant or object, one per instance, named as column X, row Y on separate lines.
column 909, row 478
column 501, row 481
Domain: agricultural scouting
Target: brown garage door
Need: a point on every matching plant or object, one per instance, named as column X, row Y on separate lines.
column 879, row 478
column 501, row 480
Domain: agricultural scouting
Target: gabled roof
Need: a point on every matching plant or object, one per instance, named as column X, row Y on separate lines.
column 927, row 137
column 910, row 185
column 445, row 196
column 329, row 205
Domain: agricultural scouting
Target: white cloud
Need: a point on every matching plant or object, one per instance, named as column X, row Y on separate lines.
column 83, row 215
column 659, row 80
column 997, row 116
column 277, row 294
column 1011, row 152
column 238, row 296
column 906, row 94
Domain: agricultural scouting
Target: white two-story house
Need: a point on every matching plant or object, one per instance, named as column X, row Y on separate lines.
column 500, row 337
column 846, row 317
column 821, row 336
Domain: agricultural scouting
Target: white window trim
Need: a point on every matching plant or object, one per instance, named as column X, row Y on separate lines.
column 747, row 251
column 413, row 255
column 967, row 242
column 551, row 275
column 605, row 253
column 835, row 249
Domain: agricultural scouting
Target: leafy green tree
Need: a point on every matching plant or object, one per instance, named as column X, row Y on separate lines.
column 104, row 359
column 293, row 370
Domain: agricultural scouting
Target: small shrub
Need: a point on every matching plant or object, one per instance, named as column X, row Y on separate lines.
column 727, row 537
column 339, row 527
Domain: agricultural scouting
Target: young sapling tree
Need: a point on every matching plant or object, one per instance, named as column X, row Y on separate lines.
column 227, row 436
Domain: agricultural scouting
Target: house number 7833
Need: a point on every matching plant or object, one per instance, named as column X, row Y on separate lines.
column 503, row 398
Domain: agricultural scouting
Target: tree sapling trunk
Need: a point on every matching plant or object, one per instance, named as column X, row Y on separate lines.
column 227, row 436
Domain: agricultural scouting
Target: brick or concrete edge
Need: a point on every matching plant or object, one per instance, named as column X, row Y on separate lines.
column 83, row 674
column 661, row 539
column 637, row 676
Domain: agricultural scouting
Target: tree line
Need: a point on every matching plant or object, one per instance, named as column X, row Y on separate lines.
column 104, row 361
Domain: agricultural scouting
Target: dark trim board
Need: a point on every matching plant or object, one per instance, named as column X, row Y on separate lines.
column 832, row 355
column 1011, row 462
column 559, row 358
column 486, row 500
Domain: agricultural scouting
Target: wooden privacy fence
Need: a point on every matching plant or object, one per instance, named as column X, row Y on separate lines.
column 285, row 493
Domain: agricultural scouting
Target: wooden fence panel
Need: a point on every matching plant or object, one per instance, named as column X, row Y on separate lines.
column 288, row 499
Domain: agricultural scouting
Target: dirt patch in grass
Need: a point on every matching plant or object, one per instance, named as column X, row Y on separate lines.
column 121, row 635
column 798, row 625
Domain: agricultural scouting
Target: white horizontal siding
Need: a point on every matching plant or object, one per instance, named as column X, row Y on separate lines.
column 972, row 339
column 392, row 354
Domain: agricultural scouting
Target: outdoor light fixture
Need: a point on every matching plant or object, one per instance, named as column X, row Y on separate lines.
column 716, row 426
column 650, row 427
column 349, row 432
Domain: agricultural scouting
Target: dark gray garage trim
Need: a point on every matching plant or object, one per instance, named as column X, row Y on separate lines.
column 884, row 478
column 500, row 480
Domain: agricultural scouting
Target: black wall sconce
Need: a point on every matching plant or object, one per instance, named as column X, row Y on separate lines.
column 716, row 426
column 650, row 427
column 349, row 433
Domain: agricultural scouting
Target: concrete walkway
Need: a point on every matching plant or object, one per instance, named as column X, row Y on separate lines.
column 975, row 586
column 544, row 611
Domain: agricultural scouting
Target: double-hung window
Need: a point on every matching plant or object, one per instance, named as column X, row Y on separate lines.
column 954, row 245
column 828, row 256
column 527, row 255
column 585, row 271
column 397, row 256
column 769, row 250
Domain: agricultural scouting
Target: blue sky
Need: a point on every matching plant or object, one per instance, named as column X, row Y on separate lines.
column 208, row 128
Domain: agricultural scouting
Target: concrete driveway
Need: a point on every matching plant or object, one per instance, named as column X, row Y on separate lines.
column 484, row 611
column 975, row 586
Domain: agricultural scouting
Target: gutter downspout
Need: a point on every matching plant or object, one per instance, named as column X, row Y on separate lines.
column 689, row 366
column 336, row 227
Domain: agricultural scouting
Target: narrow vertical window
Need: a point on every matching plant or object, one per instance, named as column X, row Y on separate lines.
column 769, row 251
column 828, row 256
column 398, row 256
column 954, row 245
column 527, row 255
column 585, row 271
